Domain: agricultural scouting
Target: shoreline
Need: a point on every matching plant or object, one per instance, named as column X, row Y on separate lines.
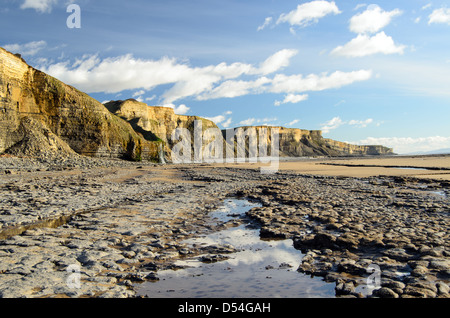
column 435, row 166
column 125, row 221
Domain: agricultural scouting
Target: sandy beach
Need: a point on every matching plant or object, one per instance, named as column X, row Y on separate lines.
column 432, row 167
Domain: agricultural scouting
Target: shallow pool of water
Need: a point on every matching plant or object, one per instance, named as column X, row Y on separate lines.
column 439, row 193
column 261, row 268
column 410, row 168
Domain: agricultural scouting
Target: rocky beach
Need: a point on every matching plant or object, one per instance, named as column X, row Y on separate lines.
column 95, row 200
column 85, row 227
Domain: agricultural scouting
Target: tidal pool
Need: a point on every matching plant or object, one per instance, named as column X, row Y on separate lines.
column 260, row 269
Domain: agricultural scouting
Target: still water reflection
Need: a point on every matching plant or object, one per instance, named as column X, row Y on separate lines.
column 261, row 268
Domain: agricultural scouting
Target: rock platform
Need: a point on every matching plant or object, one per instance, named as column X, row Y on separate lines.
column 114, row 224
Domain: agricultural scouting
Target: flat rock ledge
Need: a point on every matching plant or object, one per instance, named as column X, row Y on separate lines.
column 99, row 228
column 354, row 230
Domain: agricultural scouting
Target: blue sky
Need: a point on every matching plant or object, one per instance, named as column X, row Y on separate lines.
column 363, row 72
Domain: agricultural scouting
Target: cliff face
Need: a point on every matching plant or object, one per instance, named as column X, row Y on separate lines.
column 355, row 150
column 310, row 143
column 153, row 121
column 159, row 123
column 38, row 111
column 40, row 115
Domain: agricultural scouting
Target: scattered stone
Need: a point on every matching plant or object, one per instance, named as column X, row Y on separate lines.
column 213, row 258
column 385, row 292
column 343, row 288
column 419, row 292
column 117, row 222
column 442, row 288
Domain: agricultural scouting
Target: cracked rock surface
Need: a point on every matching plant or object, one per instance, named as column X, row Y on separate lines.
column 96, row 228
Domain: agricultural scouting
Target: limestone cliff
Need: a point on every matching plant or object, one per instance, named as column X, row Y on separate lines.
column 40, row 113
column 156, row 122
column 159, row 123
column 356, row 150
column 310, row 143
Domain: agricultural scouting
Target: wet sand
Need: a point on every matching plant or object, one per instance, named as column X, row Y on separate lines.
column 365, row 167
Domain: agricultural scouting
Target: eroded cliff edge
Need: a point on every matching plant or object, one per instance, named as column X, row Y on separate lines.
column 161, row 122
column 156, row 122
column 296, row 142
column 41, row 115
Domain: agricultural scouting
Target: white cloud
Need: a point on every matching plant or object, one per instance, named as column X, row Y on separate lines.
column 292, row 98
column 43, row 6
column 364, row 45
column 440, row 16
column 27, row 49
column 266, row 120
column 117, row 74
column 340, row 103
column 361, row 123
column 113, row 75
column 227, row 123
column 288, row 84
column 308, row 13
column 231, row 89
column 222, row 119
column 260, row 121
column 216, row 119
column 404, row 145
column 276, row 62
column 292, row 123
column 298, row 83
column 337, row 122
column 359, row 6
column 139, row 93
column 267, row 21
column 372, row 20
column 334, row 123
column 181, row 110
column 247, row 122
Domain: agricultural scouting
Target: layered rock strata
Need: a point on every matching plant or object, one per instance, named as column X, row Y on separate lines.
column 161, row 123
column 310, row 143
column 156, row 122
column 33, row 103
column 39, row 115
